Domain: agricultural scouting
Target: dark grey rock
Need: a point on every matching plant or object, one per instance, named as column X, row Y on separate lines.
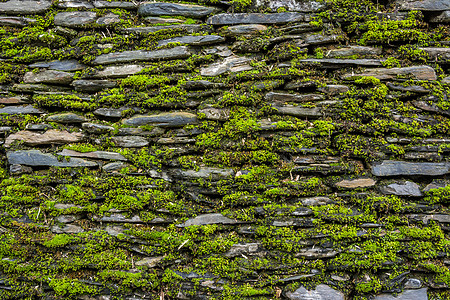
column 395, row 168
column 255, row 18
column 108, row 19
column 284, row 97
column 174, row 9
column 60, row 65
column 38, row 159
column 114, row 167
column 188, row 28
column 110, row 112
column 321, row 292
column 130, row 141
column 441, row 218
column 26, row 7
column 38, row 127
column 20, row 110
column 66, row 118
column 75, row 19
column 296, row 5
column 298, row 111
column 156, row 131
column 67, row 228
column 142, row 55
column 195, row 40
column 415, row 72
column 48, row 76
column 320, row 39
column 28, row 88
column 158, row 20
column 407, row 188
column 420, row 294
column 115, row 4
column 353, row 50
column 412, row 88
column 105, row 155
column 175, row 119
column 175, row 140
column 426, row 5
column 443, row 17
column 16, row 21
column 207, row 219
column 246, row 29
column 301, row 85
column 300, row 28
column 339, row 63
column 230, row 64
column 92, row 86
column 97, row 128
column 201, row 85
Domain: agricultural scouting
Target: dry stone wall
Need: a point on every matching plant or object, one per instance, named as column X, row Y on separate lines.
column 226, row 149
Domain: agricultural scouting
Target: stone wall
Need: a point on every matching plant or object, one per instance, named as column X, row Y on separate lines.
column 224, row 149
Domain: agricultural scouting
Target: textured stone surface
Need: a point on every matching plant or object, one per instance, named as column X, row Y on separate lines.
column 321, row 292
column 36, row 158
column 255, row 18
column 407, row 188
column 416, row 72
column 291, row 5
column 195, row 40
column 66, row 118
column 16, row 21
column 395, row 168
column 207, row 219
column 15, row 110
column 52, row 136
column 229, row 64
column 92, row 86
column 356, row 183
column 163, row 120
column 247, row 29
column 420, row 294
column 283, row 97
column 17, row 7
column 60, row 65
column 174, row 9
column 75, row 18
column 426, row 5
column 106, row 155
column 443, row 17
column 129, row 141
column 49, row 76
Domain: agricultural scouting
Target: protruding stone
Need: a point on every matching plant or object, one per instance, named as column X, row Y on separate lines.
column 356, row 183
column 195, row 40
column 60, row 65
column 49, row 76
column 420, row 294
column 284, row 97
column 246, row 29
column 216, row 114
column 207, row 219
column 92, row 86
column 339, row 63
column 74, row 4
column 38, row 159
column 108, row 19
column 415, row 72
column 97, row 128
column 149, row 262
column 118, row 71
column 106, row 155
column 412, row 284
column 16, row 21
column 20, row 110
column 142, row 55
column 51, row 136
column 246, row 249
column 207, row 172
column 175, row 119
column 439, row 53
column 296, row 5
column 321, row 292
column 353, row 50
column 114, row 167
column 407, row 188
column 396, row 168
column 115, row 4
column 129, row 141
column 174, row 9
column 298, row 111
column 24, row 7
column 75, row 19
column 256, row 18
column 443, row 17
column 110, row 112
column 229, row 64
column 66, row 118
column 38, row 127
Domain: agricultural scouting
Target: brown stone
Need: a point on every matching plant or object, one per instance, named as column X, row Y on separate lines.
column 52, row 136
column 356, row 183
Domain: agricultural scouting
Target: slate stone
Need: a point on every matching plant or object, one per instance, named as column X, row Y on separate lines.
column 149, row 262
column 48, row 76
column 19, row 169
column 74, row 4
column 20, row 110
column 229, row 64
column 255, row 18
column 36, row 158
column 51, row 136
column 247, row 249
column 142, row 55
column 114, row 4
column 174, row 9
column 316, row 201
column 302, row 6
column 419, row 294
column 114, row 167
column 60, row 65
column 26, row 7
column 201, row 85
column 396, row 168
column 301, row 85
column 105, row 155
column 75, row 19
column 118, row 71
column 216, row 114
column 284, row 97
column 195, row 40
column 407, row 188
column 353, row 50
column 174, row 119
column 412, row 283
column 67, row 228
column 16, row 21
column 425, row 5
column 28, row 88
column 246, row 29
column 67, row 218
column 108, row 19
column 206, row 172
column 38, row 127
column 119, row 218
column 441, row 218
column 14, row 100
column 356, row 183
column 129, row 141
column 207, row 219
column 97, row 128
column 339, row 63
column 158, row 20
column 321, row 292
column 320, row 39
column 412, row 88
column 298, row 111
column 439, row 53
column 66, row 118
column 443, row 17
column 188, row 28
column 317, row 253
column 92, row 86
column 110, row 112
column 415, row 72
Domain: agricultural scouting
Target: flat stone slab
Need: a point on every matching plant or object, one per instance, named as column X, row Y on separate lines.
column 207, row 219
column 407, row 188
column 74, row 4
column 20, row 110
column 75, row 19
column 115, row 4
column 48, row 76
column 174, row 119
column 437, row 52
column 92, row 86
column 246, row 29
column 97, row 128
column 106, row 155
column 206, row 172
column 356, row 183
column 321, row 292
column 142, row 55
column 396, row 168
column 130, row 141
column 26, row 7
column 60, row 65
column 16, row 21
column 247, row 249
column 339, row 63
column 195, row 40
column 291, row 5
column 256, row 18
column 285, row 97
column 174, row 9
column 316, row 253
column 426, row 5
column 298, row 111
column 66, row 118
column 415, row 72
column 419, row 294
column 353, row 50
column 443, row 17
column 217, row 114
column 118, row 71
column 38, row 159
column 52, row 136
column 189, row 28
column 110, row 112
column 229, row 64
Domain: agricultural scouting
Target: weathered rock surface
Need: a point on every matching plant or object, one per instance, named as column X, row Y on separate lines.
column 321, row 292
column 298, row 111
column 75, row 19
column 338, row 63
column 356, row 183
column 106, row 155
column 353, row 50
column 97, row 128
column 291, row 5
column 195, row 40
column 36, row 158
column 407, row 188
column 255, row 18
column 395, row 168
column 246, row 29
column 92, row 86
column 129, row 141
column 74, row 4
column 207, row 172
column 142, row 55
column 25, row 7
column 49, row 76
column 443, row 17
column 174, row 9
column 416, row 72
column 207, row 219
column 52, row 136
column 284, row 97
column 60, row 65
column 19, row 110
column 175, row 119
column 16, row 21
column 188, row 28
column 425, row 5
column 229, row 64
column 66, row 118
column 216, row 114
column 420, row 294
column 118, row 71
column 115, row 4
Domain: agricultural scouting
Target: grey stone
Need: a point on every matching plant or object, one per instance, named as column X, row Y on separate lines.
column 14, row 100
column 175, row 140
column 4, row 129
column 426, row 5
column 353, row 50
column 291, row 5
column 284, row 97
column 395, row 168
column 321, row 292
column 27, row 88
column 320, row 39
column 38, row 159
column 110, row 112
column 246, row 249
column 229, row 64
column 439, row 53
column 441, row 218
column 246, row 29
column 26, row 7
column 420, row 294
column 20, row 110
column 415, row 72
column 67, row 218
column 443, row 17
column 52, row 136
column 114, row 167
column 149, row 262
column 156, row 131
column 66, row 118
column 316, row 253
column 189, row 28
column 97, row 128
column 195, row 40
column 48, row 76
column 356, row 183
column 298, row 111
column 19, row 169
column 38, row 127
column 300, row 28
column 207, row 219
column 316, row 201
column 130, row 141
column 16, row 21
column 255, row 18
column 115, row 4
column 106, row 155
column 67, row 228
column 207, row 172
column 74, row 4
column 426, row 106
column 407, row 188
column 75, row 19
column 142, row 55
column 339, row 63
column 201, row 85
column 334, row 90
column 158, row 20
column 60, row 65
column 119, row 218
column 412, row 88
column 412, row 284
column 118, row 71
column 108, row 19
column 174, row 9
column 216, row 114
column 92, row 86
column 174, row 119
